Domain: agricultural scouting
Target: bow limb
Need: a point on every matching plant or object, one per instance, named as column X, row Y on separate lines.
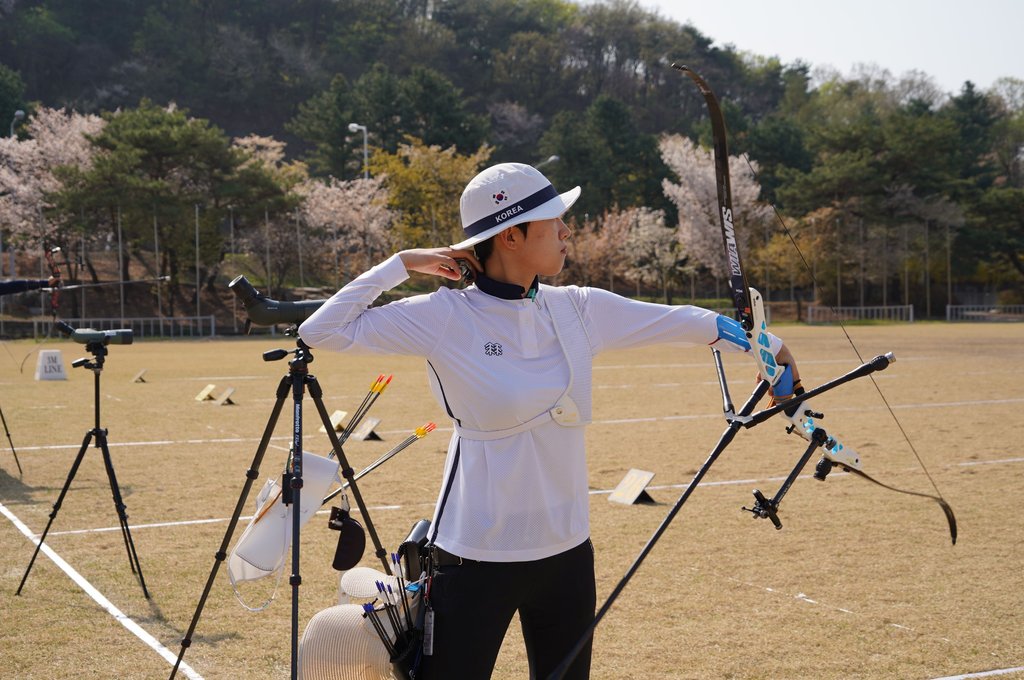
column 950, row 517
column 836, row 453
column 738, row 288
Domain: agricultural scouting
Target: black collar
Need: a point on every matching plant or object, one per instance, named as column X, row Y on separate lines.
column 506, row 291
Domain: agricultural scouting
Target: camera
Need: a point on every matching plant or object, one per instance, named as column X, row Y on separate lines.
column 89, row 336
column 267, row 312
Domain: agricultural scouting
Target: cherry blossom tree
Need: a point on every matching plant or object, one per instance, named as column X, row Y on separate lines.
column 597, row 250
column 696, row 199
column 53, row 138
column 272, row 229
column 268, row 154
column 654, row 249
column 347, row 222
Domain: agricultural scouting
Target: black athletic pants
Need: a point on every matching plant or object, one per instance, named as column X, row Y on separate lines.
column 474, row 603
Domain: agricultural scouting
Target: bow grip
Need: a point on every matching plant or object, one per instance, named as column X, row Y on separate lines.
column 760, row 343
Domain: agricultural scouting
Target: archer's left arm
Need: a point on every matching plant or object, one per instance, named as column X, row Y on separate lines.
column 22, row 285
column 616, row 322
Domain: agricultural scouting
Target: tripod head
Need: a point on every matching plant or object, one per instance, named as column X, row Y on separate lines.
column 99, row 353
column 303, row 353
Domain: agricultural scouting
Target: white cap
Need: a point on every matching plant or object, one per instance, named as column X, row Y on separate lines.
column 507, row 194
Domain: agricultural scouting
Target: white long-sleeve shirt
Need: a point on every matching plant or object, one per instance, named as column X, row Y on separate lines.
column 496, row 363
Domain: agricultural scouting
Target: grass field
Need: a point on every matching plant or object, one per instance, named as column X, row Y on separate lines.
column 861, row 582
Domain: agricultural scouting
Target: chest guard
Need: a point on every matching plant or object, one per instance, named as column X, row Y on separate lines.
column 573, row 408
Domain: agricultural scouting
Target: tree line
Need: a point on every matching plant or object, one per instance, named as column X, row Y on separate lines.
column 234, row 119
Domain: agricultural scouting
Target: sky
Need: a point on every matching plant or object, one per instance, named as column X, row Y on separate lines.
column 950, row 40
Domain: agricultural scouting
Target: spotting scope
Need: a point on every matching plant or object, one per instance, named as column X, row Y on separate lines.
column 267, row 312
column 88, row 336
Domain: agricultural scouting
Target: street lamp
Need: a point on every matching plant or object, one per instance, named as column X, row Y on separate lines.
column 356, row 127
column 19, row 115
column 550, row 159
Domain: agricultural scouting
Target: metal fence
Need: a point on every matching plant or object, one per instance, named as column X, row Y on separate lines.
column 985, row 313
column 824, row 314
column 142, row 327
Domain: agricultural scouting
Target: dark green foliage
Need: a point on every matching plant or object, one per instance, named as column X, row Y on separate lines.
column 153, row 169
column 975, row 116
column 605, row 153
column 777, row 143
column 12, row 96
column 589, row 82
column 423, row 104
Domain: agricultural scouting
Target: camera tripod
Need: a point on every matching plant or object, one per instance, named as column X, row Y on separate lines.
column 99, row 352
column 296, row 381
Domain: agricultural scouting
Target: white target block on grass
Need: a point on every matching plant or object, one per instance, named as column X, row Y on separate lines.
column 50, row 365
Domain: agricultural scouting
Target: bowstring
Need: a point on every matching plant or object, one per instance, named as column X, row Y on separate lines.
column 8, row 350
column 853, row 345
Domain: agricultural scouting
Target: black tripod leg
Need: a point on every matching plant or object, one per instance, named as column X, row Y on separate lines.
column 250, row 476
column 8, row 433
column 126, row 534
column 299, row 378
column 346, row 471
column 56, row 506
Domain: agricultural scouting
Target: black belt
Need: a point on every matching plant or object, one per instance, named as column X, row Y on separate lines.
column 443, row 558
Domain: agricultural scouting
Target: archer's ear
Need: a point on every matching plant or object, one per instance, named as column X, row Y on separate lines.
column 511, row 238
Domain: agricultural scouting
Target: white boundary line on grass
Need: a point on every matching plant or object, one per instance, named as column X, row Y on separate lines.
column 245, row 518
column 592, row 492
column 611, row 421
column 982, row 674
column 142, row 634
column 802, row 597
column 168, row 655
column 100, row 599
column 704, row 364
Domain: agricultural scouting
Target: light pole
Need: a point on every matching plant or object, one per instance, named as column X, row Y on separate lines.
column 19, row 116
column 356, row 127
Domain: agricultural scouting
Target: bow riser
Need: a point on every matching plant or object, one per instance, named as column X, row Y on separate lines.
column 761, row 345
column 803, row 419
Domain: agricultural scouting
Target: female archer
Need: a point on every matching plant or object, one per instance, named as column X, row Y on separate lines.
column 509, row 359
